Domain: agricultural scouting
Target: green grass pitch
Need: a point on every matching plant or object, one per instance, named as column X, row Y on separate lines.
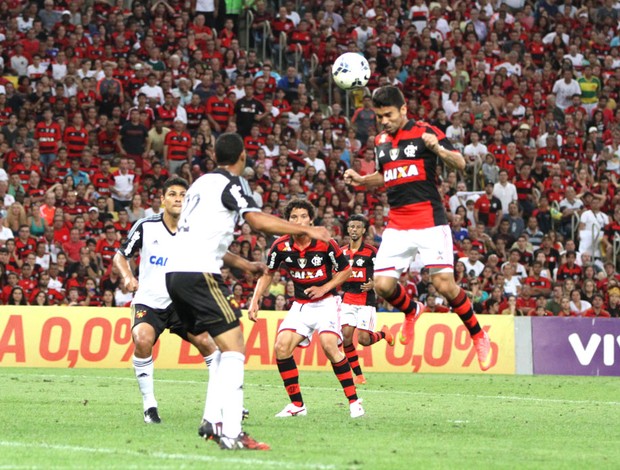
column 92, row 418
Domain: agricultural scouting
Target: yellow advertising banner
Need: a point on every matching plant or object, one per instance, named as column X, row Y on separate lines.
column 97, row 337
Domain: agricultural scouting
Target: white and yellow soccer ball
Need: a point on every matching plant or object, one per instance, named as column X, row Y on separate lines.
column 351, row 70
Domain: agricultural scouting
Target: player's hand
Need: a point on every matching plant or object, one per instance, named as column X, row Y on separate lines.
column 131, row 284
column 352, row 177
column 258, row 268
column 315, row 292
column 253, row 311
column 431, row 141
column 319, row 233
column 368, row 286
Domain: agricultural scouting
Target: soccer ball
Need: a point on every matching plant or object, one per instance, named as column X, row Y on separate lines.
column 351, row 70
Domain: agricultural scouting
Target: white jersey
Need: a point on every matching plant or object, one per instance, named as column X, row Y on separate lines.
column 211, row 210
column 154, row 240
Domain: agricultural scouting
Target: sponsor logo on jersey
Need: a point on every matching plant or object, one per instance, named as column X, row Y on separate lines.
column 383, row 138
column 333, row 258
column 410, row 150
column 158, row 260
column 316, row 261
column 302, row 262
column 381, row 154
column 288, row 259
column 358, row 274
column 394, row 153
column 272, row 260
column 307, row 275
column 400, row 172
column 140, row 313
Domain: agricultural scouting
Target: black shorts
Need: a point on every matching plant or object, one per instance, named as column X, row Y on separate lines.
column 201, row 301
column 159, row 319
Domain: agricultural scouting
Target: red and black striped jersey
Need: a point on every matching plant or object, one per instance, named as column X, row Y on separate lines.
column 252, row 145
column 23, row 248
column 195, row 114
column 178, row 145
column 63, row 167
column 410, row 175
column 48, row 135
column 611, row 230
column 362, row 263
column 107, row 250
column 566, row 272
column 86, row 99
column 524, row 187
column 75, row 140
column 220, row 110
column 310, row 266
column 166, row 115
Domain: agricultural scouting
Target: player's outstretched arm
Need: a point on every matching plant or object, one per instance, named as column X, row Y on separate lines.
column 452, row 158
column 373, row 180
column 316, row 292
column 261, row 286
column 235, row 261
column 268, row 223
column 129, row 280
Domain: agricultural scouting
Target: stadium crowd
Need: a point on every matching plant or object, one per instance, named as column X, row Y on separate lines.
column 100, row 101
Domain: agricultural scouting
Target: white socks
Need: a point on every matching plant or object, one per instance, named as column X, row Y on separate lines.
column 213, row 408
column 144, row 373
column 230, row 386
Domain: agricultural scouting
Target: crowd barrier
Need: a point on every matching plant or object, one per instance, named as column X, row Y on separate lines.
column 101, row 338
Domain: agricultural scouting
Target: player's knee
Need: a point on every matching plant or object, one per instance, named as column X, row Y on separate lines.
column 282, row 349
column 445, row 284
column 384, row 286
column 363, row 338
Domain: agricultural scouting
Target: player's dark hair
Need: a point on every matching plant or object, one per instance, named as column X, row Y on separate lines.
column 298, row 204
column 228, row 148
column 358, row 218
column 175, row 181
column 388, row 96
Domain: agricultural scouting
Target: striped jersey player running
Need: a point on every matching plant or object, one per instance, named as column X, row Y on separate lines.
column 358, row 309
column 317, row 269
column 406, row 153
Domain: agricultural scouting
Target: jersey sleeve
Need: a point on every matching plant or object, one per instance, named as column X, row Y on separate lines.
column 443, row 140
column 337, row 257
column 237, row 197
column 274, row 258
column 133, row 243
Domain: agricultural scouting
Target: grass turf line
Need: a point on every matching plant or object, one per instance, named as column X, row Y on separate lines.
column 61, row 418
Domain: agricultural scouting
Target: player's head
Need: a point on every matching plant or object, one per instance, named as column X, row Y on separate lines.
column 229, row 149
column 357, row 225
column 299, row 211
column 390, row 107
column 172, row 196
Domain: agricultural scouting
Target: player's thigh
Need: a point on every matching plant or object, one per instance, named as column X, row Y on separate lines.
column 201, row 303
column 436, row 248
column 299, row 320
column 148, row 324
column 287, row 341
column 397, row 251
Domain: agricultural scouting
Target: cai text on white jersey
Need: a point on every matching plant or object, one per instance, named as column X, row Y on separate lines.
column 153, row 239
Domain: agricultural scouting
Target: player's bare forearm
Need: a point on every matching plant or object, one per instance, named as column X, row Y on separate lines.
column 452, row 158
column 316, row 292
column 268, row 223
column 261, row 287
column 373, row 180
column 125, row 270
column 235, row 261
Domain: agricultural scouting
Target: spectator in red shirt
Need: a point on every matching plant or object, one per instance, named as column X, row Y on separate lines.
column 73, row 245
column 597, row 310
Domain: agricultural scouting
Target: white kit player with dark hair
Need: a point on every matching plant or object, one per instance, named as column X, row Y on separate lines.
column 213, row 206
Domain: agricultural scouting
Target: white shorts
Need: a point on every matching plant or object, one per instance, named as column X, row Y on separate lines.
column 322, row 316
column 362, row 317
column 399, row 248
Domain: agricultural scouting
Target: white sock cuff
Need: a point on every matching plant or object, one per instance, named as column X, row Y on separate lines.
column 232, row 355
column 215, row 356
column 142, row 362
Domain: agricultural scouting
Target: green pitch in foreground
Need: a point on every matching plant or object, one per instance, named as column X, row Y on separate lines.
column 59, row 418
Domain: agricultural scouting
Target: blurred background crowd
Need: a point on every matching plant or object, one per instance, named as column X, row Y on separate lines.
column 102, row 100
